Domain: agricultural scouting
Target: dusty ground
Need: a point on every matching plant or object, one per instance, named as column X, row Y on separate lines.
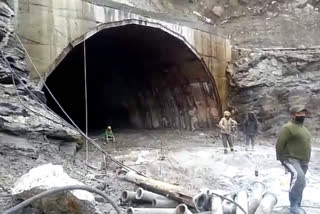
column 194, row 160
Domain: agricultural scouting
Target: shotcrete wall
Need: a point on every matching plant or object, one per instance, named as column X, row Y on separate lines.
column 50, row 29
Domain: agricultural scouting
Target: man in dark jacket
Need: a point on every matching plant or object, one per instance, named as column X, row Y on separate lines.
column 293, row 150
column 250, row 129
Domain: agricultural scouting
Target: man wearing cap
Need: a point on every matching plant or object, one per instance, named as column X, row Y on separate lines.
column 227, row 126
column 293, row 150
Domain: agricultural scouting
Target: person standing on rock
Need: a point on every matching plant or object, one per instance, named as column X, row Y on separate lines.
column 250, row 128
column 293, row 150
column 227, row 126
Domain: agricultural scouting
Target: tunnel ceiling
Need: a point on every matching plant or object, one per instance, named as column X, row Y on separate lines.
column 137, row 77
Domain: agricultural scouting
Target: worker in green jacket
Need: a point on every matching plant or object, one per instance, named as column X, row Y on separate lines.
column 108, row 134
column 293, row 150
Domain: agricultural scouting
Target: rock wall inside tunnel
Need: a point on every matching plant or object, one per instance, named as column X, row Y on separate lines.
column 149, row 79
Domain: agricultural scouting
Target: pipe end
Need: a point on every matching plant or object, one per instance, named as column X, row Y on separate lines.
column 124, row 195
column 139, row 193
column 181, row 209
column 130, row 210
column 154, row 202
column 200, row 201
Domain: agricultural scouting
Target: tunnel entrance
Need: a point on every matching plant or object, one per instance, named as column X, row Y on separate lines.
column 137, row 77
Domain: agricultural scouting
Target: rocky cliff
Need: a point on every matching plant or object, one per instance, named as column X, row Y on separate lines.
column 257, row 23
column 269, row 82
column 22, row 104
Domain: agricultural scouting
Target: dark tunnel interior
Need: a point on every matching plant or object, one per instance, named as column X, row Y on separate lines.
column 137, row 77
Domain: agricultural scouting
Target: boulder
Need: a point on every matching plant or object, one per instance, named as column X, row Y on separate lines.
column 218, row 10
column 50, row 176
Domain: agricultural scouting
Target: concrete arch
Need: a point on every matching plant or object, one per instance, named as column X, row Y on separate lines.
column 109, row 25
column 192, row 116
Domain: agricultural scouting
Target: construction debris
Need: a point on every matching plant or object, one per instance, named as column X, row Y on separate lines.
column 172, row 191
column 165, row 199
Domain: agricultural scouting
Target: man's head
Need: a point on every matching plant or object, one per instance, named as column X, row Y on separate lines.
column 109, row 127
column 227, row 114
column 251, row 116
column 298, row 113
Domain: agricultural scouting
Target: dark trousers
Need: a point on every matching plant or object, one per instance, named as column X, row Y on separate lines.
column 227, row 138
column 250, row 138
column 297, row 169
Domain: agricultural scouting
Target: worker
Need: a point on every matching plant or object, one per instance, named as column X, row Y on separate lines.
column 109, row 135
column 293, row 150
column 227, row 126
column 250, row 128
column 193, row 119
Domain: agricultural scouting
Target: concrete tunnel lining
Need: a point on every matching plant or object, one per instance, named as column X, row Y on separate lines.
column 169, row 87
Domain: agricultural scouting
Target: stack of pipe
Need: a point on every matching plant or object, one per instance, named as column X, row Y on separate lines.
column 258, row 201
column 160, row 203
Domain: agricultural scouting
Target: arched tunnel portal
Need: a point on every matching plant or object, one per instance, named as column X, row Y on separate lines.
column 137, row 77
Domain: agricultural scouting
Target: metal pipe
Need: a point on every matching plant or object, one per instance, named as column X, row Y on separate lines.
column 182, row 209
column 164, row 203
column 132, row 210
column 127, row 196
column 200, row 201
column 258, row 189
column 216, row 205
column 174, row 192
column 267, row 203
column 242, row 200
column 144, row 195
column 228, row 207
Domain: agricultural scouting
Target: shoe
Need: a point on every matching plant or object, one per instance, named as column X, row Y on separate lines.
column 296, row 210
column 225, row 151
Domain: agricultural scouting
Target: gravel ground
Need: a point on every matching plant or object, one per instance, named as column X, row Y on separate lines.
column 194, row 160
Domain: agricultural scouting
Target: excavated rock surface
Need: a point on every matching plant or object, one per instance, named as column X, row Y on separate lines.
column 270, row 82
column 21, row 112
column 18, row 155
column 257, row 23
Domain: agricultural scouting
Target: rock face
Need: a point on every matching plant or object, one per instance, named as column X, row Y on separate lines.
column 23, row 114
column 246, row 22
column 15, row 146
column 270, row 82
column 50, row 176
